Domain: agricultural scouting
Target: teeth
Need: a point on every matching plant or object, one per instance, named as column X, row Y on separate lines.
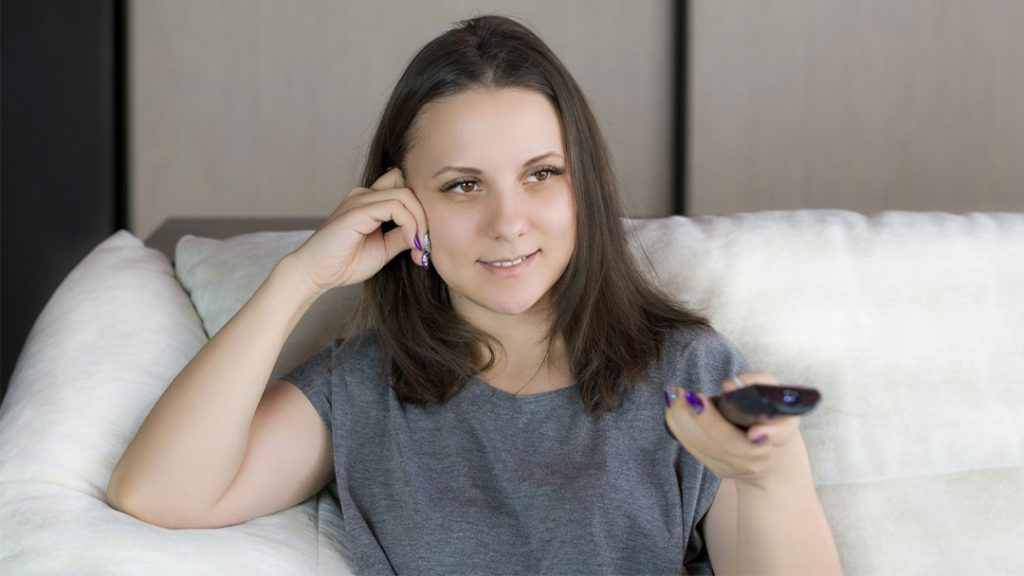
column 507, row 264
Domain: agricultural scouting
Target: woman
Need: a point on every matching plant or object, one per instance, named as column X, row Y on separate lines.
column 499, row 409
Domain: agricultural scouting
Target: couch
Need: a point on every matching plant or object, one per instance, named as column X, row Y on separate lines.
column 911, row 324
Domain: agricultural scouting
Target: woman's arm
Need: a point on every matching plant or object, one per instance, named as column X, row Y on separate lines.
column 773, row 526
column 766, row 518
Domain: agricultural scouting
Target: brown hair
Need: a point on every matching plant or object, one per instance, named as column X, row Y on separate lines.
column 612, row 319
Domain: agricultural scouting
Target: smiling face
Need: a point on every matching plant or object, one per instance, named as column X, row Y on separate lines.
column 489, row 168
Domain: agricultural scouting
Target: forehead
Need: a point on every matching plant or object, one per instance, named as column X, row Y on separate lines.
column 510, row 123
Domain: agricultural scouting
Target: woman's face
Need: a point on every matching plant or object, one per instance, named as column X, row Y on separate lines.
column 489, row 168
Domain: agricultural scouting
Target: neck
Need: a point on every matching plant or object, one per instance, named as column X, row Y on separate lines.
column 527, row 353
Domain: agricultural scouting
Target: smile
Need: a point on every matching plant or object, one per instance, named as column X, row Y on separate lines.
column 507, row 267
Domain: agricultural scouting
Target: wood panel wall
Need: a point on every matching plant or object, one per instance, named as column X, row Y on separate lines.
column 245, row 108
column 864, row 105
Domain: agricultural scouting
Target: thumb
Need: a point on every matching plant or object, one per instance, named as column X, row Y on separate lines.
column 731, row 384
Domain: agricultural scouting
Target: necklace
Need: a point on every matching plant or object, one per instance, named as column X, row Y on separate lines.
column 542, row 364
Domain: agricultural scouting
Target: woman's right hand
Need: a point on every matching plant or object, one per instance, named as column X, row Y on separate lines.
column 350, row 247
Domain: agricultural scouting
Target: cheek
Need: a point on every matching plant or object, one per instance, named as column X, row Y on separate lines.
column 562, row 216
column 448, row 230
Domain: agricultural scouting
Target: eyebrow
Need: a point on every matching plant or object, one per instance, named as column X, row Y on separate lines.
column 476, row 171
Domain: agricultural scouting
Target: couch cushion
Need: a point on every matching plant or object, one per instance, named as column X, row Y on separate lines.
column 221, row 275
column 107, row 344
column 963, row 523
column 114, row 334
column 909, row 323
column 51, row 529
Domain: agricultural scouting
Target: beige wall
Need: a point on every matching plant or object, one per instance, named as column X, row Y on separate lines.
column 864, row 105
column 247, row 108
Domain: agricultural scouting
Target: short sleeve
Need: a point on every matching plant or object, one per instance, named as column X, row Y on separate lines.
column 313, row 377
column 707, row 361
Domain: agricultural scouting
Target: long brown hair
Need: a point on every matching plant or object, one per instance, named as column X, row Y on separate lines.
column 612, row 319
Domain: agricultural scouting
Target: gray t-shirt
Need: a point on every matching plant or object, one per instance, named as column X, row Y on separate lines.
column 492, row 483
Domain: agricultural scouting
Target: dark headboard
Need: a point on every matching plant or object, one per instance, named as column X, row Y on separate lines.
column 165, row 238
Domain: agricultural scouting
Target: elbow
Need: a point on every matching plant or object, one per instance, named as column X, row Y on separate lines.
column 129, row 506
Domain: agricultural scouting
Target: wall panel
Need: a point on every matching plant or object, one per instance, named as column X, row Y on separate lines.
column 246, row 108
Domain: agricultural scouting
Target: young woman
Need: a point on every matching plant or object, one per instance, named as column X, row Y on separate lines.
column 500, row 408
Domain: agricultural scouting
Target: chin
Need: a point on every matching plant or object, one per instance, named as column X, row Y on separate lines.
column 512, row 305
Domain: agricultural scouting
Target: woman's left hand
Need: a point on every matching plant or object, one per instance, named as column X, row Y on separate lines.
column 727, row 450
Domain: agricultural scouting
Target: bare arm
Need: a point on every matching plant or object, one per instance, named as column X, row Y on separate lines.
column 191, row 446
column 774, row 527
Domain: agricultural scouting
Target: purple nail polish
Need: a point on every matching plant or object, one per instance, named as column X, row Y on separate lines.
column 416, row 241
column 695, row 402
column 760, row 438
column 670, row 397
column 425, row 261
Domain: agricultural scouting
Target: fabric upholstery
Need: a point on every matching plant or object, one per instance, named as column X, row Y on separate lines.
column 909, row 323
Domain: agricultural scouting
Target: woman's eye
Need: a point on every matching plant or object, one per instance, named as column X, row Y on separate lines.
column 548, row 172
column 458, row 186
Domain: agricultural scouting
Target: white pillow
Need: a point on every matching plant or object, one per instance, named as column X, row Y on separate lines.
column 220, row 276
column 110, row 340
column 909, row 323
column 114, row 334
column 860, row 307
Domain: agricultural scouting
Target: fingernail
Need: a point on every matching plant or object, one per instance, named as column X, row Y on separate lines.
column 416, row 241
column 760, row 438
column 670, row 397
column 695, row 402
column 426, row 241
column 425, row 261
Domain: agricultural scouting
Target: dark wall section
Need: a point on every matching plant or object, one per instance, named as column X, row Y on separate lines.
column 680, row 98
column 63, row 185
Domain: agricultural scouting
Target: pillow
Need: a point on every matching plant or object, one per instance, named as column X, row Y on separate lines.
column 220, row 276
column 860, row 307
column 107, row 344
column 114, row 334
column 908, row 322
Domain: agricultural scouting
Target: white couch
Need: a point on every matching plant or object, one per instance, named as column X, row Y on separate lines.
column 911, row 324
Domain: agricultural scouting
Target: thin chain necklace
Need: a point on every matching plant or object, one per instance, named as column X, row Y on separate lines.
column 542, row 364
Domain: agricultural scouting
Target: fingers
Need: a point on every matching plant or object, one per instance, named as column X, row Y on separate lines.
column 749, row 378
column 367, row 220
column 710, row 426
column 393, row 178
column 391, row 186
column 777, row 431
column 766, row 426
column 693, row 437
column 727, row 450
column 411, row 231
column 734, row 440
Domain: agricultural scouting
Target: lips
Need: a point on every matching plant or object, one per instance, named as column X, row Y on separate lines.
column 513, row 259
column 509, row 271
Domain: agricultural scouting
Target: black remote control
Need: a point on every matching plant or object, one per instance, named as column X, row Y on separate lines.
column 742, row 407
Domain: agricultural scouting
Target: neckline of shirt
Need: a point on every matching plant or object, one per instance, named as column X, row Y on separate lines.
column 482, row 388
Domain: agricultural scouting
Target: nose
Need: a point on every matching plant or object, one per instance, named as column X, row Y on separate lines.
column 508, row 213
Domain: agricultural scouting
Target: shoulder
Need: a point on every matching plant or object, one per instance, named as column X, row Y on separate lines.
column 701, row 359
column 700, row 344
column 362, row 341
column 357, row 349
